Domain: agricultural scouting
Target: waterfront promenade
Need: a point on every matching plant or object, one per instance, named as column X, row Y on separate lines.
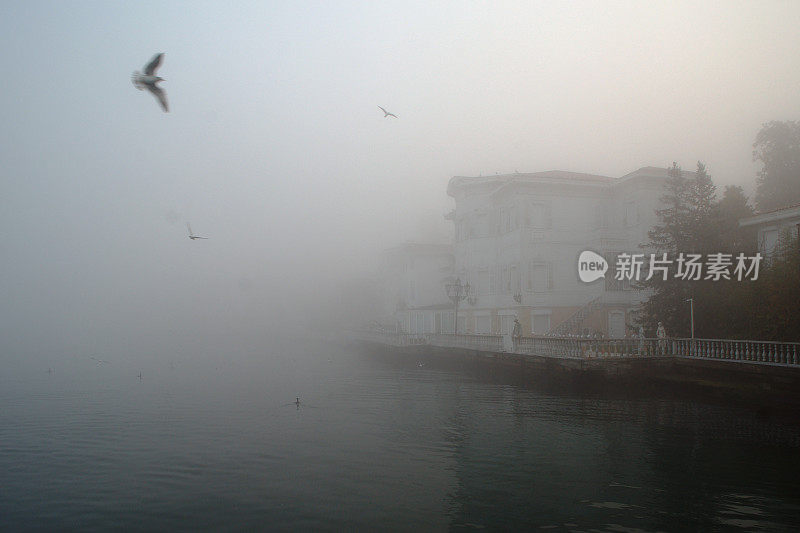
column 744, row 367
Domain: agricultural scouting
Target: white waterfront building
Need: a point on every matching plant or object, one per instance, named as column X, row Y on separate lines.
column 517, row 240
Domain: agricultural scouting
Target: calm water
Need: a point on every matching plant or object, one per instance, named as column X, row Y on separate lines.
column 215, row 443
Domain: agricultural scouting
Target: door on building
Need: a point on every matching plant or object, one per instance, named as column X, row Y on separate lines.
column 483, row 325
column 506, row 324
column 616, row 324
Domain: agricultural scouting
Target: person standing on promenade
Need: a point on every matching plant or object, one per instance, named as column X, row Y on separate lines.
column 516, row 333
column 661, row 333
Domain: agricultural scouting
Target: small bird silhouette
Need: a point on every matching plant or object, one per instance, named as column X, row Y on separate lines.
column 148, row 80
column 386, row 113
column 192, row 235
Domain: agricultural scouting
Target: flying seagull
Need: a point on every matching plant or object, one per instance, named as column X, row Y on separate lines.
column 192, row 235
column 149, row 79
column 386, row 113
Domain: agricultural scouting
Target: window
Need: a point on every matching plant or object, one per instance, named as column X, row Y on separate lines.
column 769, row 240
column 539, row 216
column 541, row 323
column 417, row 324
column 541, row 276
column 447, row 321
column 631, row 214
column 514, row 281
column 508, row 219
column 483, row 282
column 481, row 225
column 601, row 216
column 616, row 324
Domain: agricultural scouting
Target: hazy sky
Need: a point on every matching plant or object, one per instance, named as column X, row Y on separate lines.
column 275, row 148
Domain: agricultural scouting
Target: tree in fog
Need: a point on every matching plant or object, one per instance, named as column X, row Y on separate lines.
column 733, row 207
column 701, row 213
column 778, row 293
column 766, row 309
column 718, row 307
column 693, row 221
column 672, row 232
column 688, row 224
column 777, row 147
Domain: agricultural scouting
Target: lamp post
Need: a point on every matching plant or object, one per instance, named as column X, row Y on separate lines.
column 456, row 292
column 691, row 313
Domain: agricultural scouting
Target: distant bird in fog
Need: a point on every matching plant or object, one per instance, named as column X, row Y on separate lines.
column 296, row 402
column 99, row 361
column 192, row 235
column 148, row 80
column 386, row 113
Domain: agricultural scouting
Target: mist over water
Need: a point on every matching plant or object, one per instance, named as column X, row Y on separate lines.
column 275, row 148
column 217, row 442
column 147, row 379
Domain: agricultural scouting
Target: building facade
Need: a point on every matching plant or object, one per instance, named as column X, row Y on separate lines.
column 517, row 238
column 773, row 226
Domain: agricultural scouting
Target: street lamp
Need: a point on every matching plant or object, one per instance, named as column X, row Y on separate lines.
column 456, row 292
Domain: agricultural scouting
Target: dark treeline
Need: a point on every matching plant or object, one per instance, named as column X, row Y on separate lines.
column 696, row 220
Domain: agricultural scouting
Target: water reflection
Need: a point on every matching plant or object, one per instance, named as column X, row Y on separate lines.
column 565, row 460
column 217, row 443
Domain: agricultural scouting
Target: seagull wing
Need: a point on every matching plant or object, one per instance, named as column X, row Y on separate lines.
column 189, row 227
column 391, row 115
column 159, row 93
column 153, row 65
column 384, row 111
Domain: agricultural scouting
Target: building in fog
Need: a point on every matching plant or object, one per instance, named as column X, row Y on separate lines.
column 413, row 277
column 772, row 226
column 517, row 240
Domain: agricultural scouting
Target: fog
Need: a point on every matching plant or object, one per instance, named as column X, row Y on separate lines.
column 275, row 149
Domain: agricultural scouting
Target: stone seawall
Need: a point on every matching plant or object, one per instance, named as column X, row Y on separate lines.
column 770, row 384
